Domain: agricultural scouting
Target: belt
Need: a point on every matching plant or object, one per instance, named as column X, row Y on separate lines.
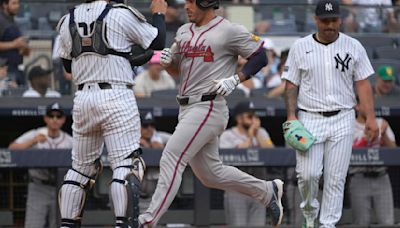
column 43, row 182
column 325, row 114
column 195, row 99
column 105, row 85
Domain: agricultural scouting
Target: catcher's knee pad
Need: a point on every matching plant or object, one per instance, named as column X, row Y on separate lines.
column 72, row 195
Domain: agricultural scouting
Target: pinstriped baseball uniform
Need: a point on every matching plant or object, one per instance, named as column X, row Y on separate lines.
column 103, row 116
column 42, row 199
column 325, row 75
column 206, row 53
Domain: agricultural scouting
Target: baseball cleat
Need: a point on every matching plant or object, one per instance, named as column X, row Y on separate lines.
column 275, row 206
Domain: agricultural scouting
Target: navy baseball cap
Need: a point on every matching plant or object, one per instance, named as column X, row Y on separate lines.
column 37, row 72
column 327, row 9
column 244, row 106
column 3, row 62
column 55, row 107
column 147, row 118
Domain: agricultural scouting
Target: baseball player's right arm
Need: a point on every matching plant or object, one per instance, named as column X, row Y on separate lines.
column 29, row 142
column 159, row 8
column 291, row 93
column 169, row 61
column 291, row 74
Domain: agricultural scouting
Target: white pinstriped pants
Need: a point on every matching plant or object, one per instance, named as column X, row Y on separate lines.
column 101, row 117
column 331, row 155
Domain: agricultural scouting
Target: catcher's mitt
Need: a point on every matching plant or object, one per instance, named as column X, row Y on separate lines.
column 297, row 136
column 139, row 56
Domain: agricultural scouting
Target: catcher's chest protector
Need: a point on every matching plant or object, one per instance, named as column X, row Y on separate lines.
column 95, row 43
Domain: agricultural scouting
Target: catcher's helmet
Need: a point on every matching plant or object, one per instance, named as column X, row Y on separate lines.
column 204, row 4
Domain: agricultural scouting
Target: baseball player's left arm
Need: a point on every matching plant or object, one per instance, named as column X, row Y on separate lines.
column 249, row 46
column 364, row 92
column 362, row 70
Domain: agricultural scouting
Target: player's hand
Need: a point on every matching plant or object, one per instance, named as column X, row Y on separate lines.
column 166, row 57
column 371, row 129
column 256, row 123
column 225, row 86
column 158, row 6
column 39, row 138
column 20, row 42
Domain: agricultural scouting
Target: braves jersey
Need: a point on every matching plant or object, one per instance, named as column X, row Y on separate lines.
column 125, row 30
column 326, row 73
column 63, row 141
column 210, row 52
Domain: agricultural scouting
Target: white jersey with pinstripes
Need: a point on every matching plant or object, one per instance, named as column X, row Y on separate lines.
column 327, row 72
column 123, row 29
column 210, row 52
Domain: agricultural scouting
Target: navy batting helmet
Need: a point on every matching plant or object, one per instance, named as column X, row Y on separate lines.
column 205, row 4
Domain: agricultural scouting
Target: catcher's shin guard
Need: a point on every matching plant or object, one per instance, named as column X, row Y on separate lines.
column 72, row 195
column 131, row 183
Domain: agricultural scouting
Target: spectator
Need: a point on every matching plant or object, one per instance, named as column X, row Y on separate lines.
column 385, row 82
column 279, row 89
column 368, row 14
column 41, row 205
column 40, row 83
column 5, row 81
column 262, row 27
column 172, row 21
column 13, row 46
column 150, row 138
column 242, row 210
column 154, row 78
column 394, row 27
column 370, row 187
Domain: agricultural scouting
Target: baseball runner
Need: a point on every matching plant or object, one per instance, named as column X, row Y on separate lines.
column 319, row 73
column 204, row 55
column 42, row 199
column 95, row 40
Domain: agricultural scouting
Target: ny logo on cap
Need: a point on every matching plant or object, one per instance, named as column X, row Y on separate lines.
column 328, row 7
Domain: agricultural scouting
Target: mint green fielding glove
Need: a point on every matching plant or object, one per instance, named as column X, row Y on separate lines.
column 297, row 136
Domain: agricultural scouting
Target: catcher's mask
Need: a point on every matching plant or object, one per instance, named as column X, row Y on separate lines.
column 205, row 4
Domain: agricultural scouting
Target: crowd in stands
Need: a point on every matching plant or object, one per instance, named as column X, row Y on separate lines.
column 360, row 17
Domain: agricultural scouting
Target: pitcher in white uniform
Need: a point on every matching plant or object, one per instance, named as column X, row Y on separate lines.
column 320, row 72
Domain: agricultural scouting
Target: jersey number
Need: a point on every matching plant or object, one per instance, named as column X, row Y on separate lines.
column 87, row 29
